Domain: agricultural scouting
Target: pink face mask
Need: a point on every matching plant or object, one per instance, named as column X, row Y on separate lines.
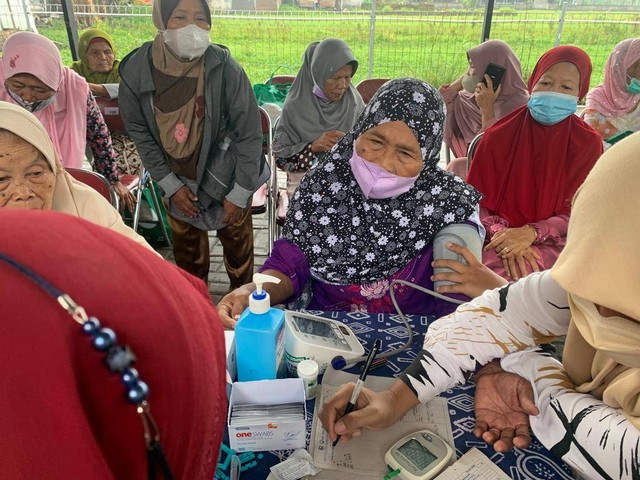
column 375, row 181
column 317, row 91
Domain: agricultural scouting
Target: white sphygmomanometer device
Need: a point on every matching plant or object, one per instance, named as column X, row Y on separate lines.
column 418, row 456
column 310, row 337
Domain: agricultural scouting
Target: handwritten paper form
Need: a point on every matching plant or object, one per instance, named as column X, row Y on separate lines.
column 363, row 457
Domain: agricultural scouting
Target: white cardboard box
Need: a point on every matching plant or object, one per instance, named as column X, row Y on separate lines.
column 267, row 435
column 232, row 369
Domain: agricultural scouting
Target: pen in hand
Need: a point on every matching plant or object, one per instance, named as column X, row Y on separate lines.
column 363, row 376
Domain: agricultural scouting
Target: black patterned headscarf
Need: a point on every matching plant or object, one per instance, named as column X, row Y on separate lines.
column 348, row 238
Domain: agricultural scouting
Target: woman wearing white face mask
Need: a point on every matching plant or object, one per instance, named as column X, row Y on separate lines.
column 191, row 111
column 530, row 163
column 368, row 213
column 473, row 106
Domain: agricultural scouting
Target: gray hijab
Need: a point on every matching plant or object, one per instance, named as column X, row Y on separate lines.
column 305, row 116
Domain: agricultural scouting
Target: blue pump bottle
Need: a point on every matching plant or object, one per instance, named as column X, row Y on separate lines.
column 260, row 336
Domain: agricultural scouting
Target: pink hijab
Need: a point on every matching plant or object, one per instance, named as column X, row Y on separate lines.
column 464, row 120
column 66, row 118
column 513, row 93
column 611, row 98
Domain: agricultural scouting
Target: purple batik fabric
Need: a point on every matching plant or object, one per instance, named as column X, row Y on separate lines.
column 374, row 297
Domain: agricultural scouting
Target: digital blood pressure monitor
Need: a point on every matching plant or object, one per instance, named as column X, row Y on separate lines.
column 419, row 456
column 316, row 338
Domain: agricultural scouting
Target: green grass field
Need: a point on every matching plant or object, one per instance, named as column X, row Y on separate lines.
column 430, row 46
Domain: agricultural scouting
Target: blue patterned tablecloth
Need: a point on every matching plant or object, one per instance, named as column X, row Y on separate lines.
column 535, row 462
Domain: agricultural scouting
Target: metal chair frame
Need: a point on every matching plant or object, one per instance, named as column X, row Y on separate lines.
column 471, row 149
column 111, row 112
column 98, row 182
column 272, row 183
column 280, row 79
column 272, row 187
column 145, row 181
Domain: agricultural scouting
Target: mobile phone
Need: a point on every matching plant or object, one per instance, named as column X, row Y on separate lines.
column 617, row 137
column 496, row 73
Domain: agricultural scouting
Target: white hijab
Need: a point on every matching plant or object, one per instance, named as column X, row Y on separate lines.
column 69, row 195
column 599, row 266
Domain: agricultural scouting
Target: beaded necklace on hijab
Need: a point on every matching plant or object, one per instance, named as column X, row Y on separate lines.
column 118, row 360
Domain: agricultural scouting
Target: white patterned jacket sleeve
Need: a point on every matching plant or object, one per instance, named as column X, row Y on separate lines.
column 593, row 437
column 530, row 312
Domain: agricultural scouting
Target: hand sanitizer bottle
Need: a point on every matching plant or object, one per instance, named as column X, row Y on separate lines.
column 260, row 336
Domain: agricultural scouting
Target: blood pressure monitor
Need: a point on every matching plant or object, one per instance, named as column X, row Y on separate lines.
column 419, row 456
column 316, row 338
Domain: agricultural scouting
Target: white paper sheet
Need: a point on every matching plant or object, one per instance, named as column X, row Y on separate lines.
column 473, row 465
column 363, row 457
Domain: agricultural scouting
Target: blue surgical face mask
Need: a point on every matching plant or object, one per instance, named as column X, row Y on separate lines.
column 549, row 108
column 31, row 106
column 634, row 86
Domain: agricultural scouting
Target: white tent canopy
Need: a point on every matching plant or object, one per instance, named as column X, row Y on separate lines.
column 16, row 14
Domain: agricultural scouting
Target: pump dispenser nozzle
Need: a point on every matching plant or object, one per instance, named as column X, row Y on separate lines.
column 259, row 301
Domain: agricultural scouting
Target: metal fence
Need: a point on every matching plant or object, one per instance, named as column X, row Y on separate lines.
column 426, row 44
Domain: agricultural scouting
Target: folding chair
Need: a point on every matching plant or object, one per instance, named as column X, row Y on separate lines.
column 281, row 79
column 369, row 87
column 272, row 184
column 111, row 112
column 258, row 207
column 471, row 149
column 135, row 183
column 97, row 182
column 271, row 187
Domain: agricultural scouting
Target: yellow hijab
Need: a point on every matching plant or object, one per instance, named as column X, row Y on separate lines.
column 69, row 195
column 600, row 265
column 81, row 66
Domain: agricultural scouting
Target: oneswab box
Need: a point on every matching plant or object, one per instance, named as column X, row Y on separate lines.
column 268, row 433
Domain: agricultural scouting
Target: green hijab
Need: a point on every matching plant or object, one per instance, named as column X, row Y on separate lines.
column 82, row 66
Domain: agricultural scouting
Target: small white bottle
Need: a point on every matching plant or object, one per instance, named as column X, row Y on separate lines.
column 308, row 372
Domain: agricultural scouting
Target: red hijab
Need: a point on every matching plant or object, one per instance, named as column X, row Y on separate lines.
column 527, row 171
column 62, row 414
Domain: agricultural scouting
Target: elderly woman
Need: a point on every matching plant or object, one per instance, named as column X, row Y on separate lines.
column 77, row 410
column 31, row 176
column 367, row 214
column 321, row 106
column 32, row 76
column 473, row 106
column 612, row 107
column 586, row 409
column 191, row 111
column 98, row 64
column 528, row 182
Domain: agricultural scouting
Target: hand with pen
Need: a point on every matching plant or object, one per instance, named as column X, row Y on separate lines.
column 371, row 410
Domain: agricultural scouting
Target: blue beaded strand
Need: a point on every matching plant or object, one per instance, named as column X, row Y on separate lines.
column 118, row 359
column 90, row 326
column 104, row 339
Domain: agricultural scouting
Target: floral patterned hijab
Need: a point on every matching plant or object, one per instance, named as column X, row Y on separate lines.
column 348, row 238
